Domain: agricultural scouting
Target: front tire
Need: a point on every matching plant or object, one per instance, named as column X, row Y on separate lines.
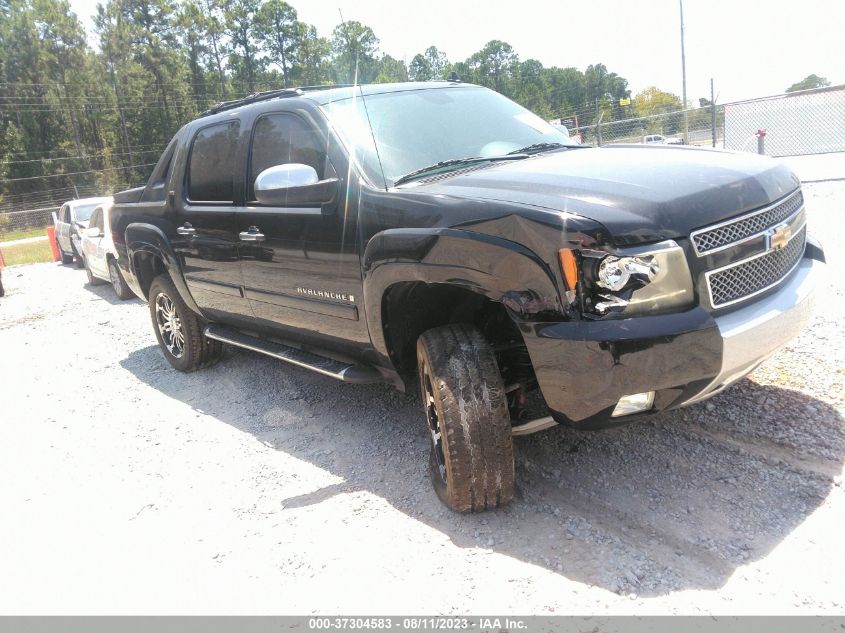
column 118, row 283
column 179, row 331
column 76, row 256
column 471, row 458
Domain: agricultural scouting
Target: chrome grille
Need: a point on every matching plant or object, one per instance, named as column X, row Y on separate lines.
column 728, row 233
column 752, row 276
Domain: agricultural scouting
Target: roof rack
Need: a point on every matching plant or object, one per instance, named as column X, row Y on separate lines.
column 265, row 96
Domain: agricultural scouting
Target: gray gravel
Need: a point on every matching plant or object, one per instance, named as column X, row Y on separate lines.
column 255, row 486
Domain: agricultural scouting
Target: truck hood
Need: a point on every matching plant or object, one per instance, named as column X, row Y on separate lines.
column 639, row 193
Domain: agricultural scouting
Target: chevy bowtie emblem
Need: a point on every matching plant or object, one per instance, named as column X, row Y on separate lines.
column 779, row 237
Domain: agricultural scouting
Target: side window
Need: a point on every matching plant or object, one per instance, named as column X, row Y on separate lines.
column 212, row 166
column 283, row 138
column 97, row 219
column 93, row 221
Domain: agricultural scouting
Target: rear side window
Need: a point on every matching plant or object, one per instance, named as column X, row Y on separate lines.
column 284, row 138
column 212, row 166
column 97, row 219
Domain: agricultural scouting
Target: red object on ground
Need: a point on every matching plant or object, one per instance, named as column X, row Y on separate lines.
column 2, row 261
column 51, row 236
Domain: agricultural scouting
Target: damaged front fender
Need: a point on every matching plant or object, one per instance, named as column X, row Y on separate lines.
column 496, row 268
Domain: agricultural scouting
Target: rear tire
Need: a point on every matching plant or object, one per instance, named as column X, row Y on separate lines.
column 179, row 331
column 66, row 259
column 92, row 280
column 118, row 283
column 471, row 459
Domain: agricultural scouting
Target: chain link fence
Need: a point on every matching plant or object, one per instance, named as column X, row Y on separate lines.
column 703, row 126
column 24, row 215
column 795, row 124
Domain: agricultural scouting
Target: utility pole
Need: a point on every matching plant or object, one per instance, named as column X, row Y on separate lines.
column 684, row 75
column 712, row 112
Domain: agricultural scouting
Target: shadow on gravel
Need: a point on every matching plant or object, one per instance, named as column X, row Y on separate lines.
column 106, row 292
column 679, row 501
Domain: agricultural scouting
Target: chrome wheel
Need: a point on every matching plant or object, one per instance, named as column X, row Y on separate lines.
column 169, row 325
column 114, row 276
column 433, row 422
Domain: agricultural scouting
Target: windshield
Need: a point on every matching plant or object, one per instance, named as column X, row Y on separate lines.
column 83, row 212
column 409, row 130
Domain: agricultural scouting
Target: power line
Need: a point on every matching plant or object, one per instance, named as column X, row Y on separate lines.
column 76, row 173
column 82, row 157
column 131, row 147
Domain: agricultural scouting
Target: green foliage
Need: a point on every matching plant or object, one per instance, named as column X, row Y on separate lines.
column 809, row 82
column 391, row 70
column 429, row 65
column 354, row 47
column 28, row 253
column 279, row 32
column 77, row 119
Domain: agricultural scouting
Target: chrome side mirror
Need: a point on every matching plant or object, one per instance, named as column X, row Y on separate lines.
column 294, row 184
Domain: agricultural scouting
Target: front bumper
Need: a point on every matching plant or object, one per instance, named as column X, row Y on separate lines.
column 585, row 367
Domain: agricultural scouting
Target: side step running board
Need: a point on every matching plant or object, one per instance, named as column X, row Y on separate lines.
column 534, row 426
column 359, row 374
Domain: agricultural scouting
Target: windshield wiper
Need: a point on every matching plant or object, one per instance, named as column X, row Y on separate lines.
column 537, row 147
column 456, row 162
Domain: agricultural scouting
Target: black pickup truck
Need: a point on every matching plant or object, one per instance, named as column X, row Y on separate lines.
column 438, row 234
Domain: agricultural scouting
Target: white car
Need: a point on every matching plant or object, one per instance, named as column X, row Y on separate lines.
column 659, row 139
column 71, row 219
column 98, row 253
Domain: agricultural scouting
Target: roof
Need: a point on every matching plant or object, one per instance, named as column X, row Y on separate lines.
column 328, row 94
column 86, row 201
column 347, row 92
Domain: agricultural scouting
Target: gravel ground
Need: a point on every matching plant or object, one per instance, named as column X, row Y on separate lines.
column 257, row 487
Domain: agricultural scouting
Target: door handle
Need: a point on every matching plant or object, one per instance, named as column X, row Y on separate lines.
column 252, row 234
column 187, row 229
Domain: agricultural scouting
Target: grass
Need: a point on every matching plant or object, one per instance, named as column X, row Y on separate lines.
column 30, row 253
column 22, row 234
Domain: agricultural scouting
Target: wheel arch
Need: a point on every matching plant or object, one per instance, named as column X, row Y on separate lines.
column 150, row 254
column 417, row 279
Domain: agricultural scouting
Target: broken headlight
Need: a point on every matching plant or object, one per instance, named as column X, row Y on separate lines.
column 634, row 281
column 615, row 273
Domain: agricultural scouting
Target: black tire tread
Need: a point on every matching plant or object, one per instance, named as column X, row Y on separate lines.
column 200, row 351
column 126, row 292
column 474, row 418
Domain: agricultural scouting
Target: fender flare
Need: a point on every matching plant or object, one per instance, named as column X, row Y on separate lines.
column 498, row 269
column 151, row 240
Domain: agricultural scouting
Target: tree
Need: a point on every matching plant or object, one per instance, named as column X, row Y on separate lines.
column 212, row 28
column 279, row 32
column 494, row 65
column 431, row 64
column 188, row 15
column 530, row 88
column 391, row 70
column 313, row 53
column 354, row 46
column 653, row 101
column 809, row 82
column 241, row 24
column 419, row 69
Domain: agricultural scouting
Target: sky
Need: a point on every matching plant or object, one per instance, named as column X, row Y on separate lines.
column 751, row 48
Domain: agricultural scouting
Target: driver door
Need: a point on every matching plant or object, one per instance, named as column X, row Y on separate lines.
column 302, row 275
